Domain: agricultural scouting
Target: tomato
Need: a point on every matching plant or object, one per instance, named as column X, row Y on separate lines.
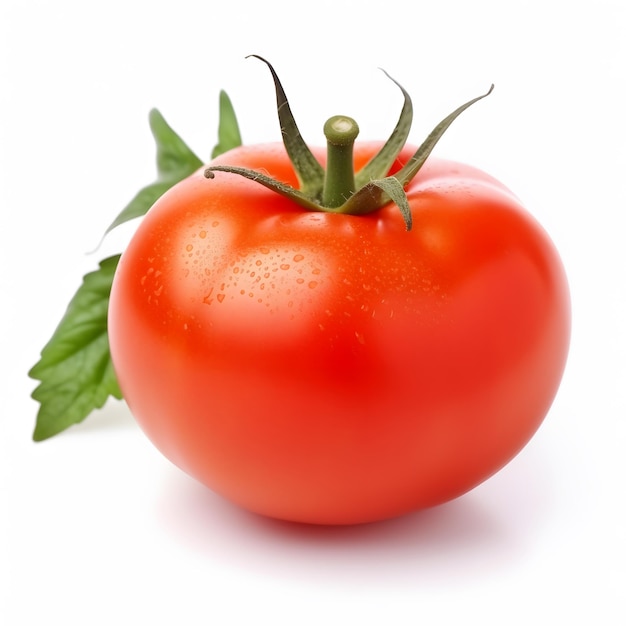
column 338, row 369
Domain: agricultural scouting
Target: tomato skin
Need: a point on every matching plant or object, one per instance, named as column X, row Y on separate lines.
column 337, row 369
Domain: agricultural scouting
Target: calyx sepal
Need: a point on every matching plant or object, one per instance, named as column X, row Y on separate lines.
column 338, row 189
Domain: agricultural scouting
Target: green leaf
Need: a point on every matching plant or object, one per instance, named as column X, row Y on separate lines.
column 414, row 164
column 175, row 161
column 380, row 163
column 394, row 189
column 228, row 134
column 75, row 370
column 308, row 170
column 283, row 189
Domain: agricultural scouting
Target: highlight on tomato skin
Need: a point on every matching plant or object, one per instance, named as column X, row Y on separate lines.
column 338, row 369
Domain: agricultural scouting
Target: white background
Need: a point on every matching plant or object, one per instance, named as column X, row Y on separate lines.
column 95, row 526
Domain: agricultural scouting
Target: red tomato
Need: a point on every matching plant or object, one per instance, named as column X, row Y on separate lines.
column 338, row 369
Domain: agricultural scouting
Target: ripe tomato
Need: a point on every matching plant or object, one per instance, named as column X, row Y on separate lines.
column 338, row 369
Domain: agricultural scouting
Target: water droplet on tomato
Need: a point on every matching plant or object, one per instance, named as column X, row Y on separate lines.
column 298, row 257
column 313, row 284
column 220, row 297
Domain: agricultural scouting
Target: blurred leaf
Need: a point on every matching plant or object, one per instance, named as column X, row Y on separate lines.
column 75, row 370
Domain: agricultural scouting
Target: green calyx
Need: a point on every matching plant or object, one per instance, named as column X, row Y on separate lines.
column 338, row 189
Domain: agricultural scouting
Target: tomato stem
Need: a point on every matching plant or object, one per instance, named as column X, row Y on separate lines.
column 339, row 183
column 337, row 189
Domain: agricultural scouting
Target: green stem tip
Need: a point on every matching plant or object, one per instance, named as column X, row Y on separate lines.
column 339, row 183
